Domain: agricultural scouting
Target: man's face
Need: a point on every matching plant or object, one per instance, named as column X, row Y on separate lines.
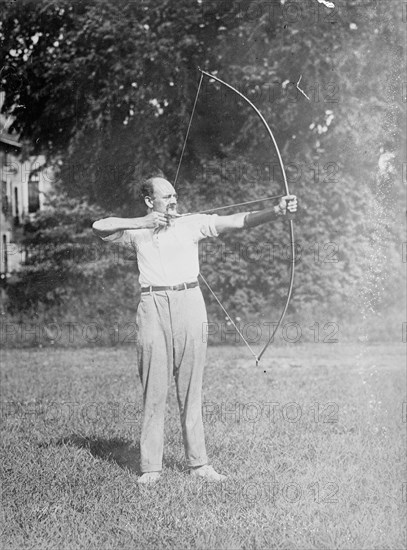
column 165, row 198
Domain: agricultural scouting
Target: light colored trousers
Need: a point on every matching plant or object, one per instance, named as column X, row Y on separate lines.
column 170, row 343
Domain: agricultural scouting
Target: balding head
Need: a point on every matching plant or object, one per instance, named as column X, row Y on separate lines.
column 162, row 196
column 162, row 187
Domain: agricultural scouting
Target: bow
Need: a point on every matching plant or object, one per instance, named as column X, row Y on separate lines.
column 283, row 172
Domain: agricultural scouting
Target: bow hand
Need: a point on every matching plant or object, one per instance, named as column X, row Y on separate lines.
column 288, row 202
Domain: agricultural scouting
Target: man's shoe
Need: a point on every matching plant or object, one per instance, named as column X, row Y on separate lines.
column 208, row 473
column 149, row 477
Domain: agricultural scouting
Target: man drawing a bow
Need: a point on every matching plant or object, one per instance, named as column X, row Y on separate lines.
column 172, row 312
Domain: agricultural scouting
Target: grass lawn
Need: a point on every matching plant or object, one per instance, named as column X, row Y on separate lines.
column 314, row 450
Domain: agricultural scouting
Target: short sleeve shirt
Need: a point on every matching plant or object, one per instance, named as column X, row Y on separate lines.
column 170, row 255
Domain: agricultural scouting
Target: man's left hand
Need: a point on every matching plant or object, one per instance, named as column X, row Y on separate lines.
column 288, row 202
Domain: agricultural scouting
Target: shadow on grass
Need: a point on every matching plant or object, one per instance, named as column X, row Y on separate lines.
column 121, row 451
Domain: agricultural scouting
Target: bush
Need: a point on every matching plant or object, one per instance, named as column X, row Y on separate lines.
column 71, row 281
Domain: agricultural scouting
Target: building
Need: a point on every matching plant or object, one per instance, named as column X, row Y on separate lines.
column 24, row 184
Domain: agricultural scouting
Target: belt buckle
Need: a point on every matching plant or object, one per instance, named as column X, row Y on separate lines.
column 185, row 286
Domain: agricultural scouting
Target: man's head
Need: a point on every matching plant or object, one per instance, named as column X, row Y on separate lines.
column 159, row 195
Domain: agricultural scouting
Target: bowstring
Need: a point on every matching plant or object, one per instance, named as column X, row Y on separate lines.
column 187, row 132
column 229, row 317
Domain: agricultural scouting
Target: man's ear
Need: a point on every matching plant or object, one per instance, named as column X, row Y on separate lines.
column 148, row 202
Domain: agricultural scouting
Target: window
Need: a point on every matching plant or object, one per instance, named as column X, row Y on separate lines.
column 4, row 258
column 17, row 210
column 33, row 193
column 4, row 198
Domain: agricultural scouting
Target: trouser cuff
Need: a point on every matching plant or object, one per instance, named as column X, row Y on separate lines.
column 197, row 462
column 144, row 468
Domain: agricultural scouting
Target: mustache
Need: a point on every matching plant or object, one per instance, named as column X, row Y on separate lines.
column 172, row 211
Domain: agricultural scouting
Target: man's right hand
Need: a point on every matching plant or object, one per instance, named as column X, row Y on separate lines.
column 156, row 220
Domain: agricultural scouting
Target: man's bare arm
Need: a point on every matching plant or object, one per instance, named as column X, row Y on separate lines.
column 108, row 226
column 251, row 219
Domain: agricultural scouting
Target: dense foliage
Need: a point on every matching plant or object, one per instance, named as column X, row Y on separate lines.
column 107, row 89
column 70, row 276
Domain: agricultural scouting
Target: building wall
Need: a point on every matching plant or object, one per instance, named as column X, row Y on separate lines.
column 24, row 185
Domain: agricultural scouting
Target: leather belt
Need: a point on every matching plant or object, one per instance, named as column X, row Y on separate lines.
column 181, row 286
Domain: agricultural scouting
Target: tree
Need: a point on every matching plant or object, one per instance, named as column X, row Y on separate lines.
column 108, row 88
column 95, row 82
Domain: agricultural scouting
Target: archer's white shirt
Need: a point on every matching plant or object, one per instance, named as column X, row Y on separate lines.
column 169, row 256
